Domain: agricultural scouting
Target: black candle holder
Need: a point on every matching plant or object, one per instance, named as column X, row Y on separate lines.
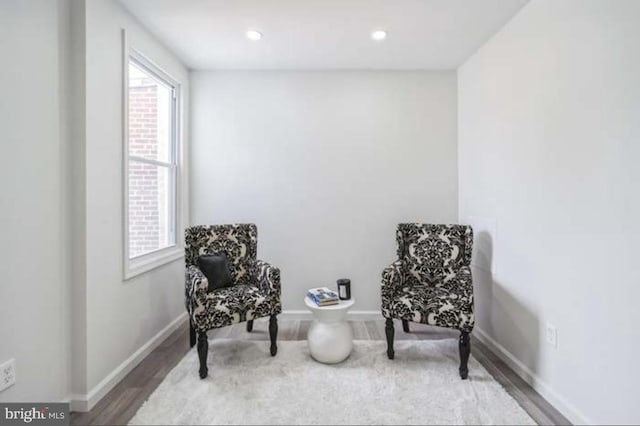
column 344, row 289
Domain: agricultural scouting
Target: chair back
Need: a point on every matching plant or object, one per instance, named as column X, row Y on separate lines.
column 239, row 242
column 431, row 254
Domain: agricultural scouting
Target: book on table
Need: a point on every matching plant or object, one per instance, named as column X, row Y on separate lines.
column 323, row 296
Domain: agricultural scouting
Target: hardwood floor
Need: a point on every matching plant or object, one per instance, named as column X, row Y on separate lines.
column 122, row 402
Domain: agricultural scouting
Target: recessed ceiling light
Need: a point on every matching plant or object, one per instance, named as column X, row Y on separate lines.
column 254, row 35
column 379, row 35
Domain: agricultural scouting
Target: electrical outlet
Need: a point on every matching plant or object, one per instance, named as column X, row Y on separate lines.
column 7, row 374
column 552, row 335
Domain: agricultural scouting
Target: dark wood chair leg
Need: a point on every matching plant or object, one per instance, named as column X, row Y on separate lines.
column 389, row 330
column 273, row 334
column 405, row 326
column 192, row 335
column 203, row 350
column 249, row 326
column 465, row 349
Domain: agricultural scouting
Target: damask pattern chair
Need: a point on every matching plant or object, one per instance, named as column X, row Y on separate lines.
column 255, row 292
column 431, row 282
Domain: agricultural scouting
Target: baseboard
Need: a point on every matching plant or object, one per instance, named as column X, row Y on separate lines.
column 560, row 403
column 83, row 403
column 351, row 315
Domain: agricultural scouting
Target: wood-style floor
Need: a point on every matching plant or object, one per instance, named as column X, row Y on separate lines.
column 123, row 401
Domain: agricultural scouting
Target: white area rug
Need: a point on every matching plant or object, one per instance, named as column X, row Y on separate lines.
column 247, row 386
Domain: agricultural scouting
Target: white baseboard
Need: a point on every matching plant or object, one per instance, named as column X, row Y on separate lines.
column 86, row 402
column 351, row 315
column 560, row 403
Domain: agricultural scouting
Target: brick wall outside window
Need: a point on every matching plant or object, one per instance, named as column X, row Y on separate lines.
column 148, row 203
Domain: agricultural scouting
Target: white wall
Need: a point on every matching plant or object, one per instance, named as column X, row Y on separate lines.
column 326, row 164
column 549, row 124
column 121, row 316
column 68, row 318
column 34, row 280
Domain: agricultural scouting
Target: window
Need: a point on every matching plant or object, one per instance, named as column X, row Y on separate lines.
column 151, row 147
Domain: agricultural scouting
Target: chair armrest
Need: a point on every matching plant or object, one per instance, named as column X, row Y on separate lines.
column 267, row 277
column 195, row 282
column 392, row 280
column 462, row 285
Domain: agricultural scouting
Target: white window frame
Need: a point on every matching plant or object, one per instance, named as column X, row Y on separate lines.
column 154, row 259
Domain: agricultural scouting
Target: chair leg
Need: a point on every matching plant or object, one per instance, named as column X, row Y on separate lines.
column 389, row 330
column 203, row 350
column 273, row 334
column 249, row 326
column 192, row 335
column 405, row 326
column 464, row 345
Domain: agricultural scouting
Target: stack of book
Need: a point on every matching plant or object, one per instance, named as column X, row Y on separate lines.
column 323, row 296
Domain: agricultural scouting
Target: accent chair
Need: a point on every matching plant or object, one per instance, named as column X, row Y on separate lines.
column 430, row 282
column 255, row 292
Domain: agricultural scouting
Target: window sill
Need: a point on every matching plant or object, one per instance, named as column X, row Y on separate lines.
column 148, row 262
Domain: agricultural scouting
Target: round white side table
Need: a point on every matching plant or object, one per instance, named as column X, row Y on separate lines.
column 330, row 336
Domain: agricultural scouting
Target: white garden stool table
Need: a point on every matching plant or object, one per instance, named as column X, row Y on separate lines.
column 330, row 336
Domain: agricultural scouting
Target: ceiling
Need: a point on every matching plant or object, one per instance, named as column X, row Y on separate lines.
column 324, row 34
